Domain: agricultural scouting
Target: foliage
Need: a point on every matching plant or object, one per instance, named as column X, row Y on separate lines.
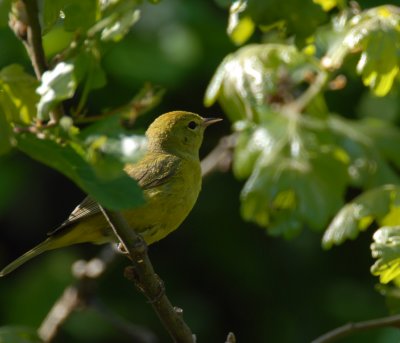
column 299, row 160
column 86, row 159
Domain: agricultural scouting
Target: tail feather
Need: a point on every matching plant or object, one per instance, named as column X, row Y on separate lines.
column 37, row 250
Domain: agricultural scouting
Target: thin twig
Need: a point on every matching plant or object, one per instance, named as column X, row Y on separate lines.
column 58, row 314
column 34, row 38
column 352, row 328
column 143, row 275
column 24, row 21
column 77, row 294
column 137, row 333
column 298, row 105
column 220, row 158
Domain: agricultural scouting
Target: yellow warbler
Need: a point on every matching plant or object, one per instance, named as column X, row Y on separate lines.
column 169, row 175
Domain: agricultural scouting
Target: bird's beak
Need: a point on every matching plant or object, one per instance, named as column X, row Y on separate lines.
column 209, row 121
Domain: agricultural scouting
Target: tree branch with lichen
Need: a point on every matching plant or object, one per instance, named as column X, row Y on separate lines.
column 146, row 280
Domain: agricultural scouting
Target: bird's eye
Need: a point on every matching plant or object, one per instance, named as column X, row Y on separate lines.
column 192, row 125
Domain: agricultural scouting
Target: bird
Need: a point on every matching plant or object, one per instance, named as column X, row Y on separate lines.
column 169, row 175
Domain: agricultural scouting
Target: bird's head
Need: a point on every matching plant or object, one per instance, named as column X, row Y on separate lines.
column 178, row 132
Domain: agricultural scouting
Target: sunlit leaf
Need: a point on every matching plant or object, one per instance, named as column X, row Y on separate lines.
column 17, row 94
column 117, row 19
column 375, row 32
column 290, row 173
column 356, row 216
column 119, row 192
column 386, row 249
column 56, row 85
column 113, row 139
column 326, row 5
column 258, row 75
column 239, row 28
column 18, row 334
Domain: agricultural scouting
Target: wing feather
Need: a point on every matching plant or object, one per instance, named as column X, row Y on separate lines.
column 149, row 173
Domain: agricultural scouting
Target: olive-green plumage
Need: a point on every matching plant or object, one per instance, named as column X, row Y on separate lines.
column 169, row 175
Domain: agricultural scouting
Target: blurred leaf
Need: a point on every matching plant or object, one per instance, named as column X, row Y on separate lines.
column 74, row 13
column 18, row 334
column 120, row 28
column 386, row 249
column 379, row 204
column 17, row 94
column 239, row 28
column 117, row 19
column 301, row 18
column 51, row 12
column 56, row 85
column 375, row 32
column 290, row 173
column 117, row 193
column 378, row 64
column 386, row 108
column 87, row 67
column 326, row 5
column 5, row 7
column 385, row 137
column 121, row 143
column 5, row 134
column 368, row 167
column 256, row 75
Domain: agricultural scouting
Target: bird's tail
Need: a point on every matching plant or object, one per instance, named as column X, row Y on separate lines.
column 37, row 250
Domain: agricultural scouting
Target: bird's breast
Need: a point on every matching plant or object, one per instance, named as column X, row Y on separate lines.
column 167, row 205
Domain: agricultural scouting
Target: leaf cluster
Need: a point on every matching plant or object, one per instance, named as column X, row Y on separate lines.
column 300, row 160
column 46, row 118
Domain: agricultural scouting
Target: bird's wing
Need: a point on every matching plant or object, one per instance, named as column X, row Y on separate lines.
column 153, row 173
column 88, row 207
column 148, row 174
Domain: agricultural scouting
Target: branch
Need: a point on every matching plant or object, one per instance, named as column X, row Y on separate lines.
column 24, row 21
column 298, row 105
column 75, row 295
column 352, row 328
column 34, row 39
column 220, row 158
column 146, row 280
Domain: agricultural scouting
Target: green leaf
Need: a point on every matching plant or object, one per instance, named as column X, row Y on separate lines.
column 5, row 7
column 18, row 334
column 122, row 144
column 117, row 193
column 117, row 17
column 386, row 249
column 18, row 98
column 56, row 85
column 290, row 173
column 301, row 18
column 378, row 64
column 327, row 5
column 256, row 75
column 74, row 14
column 87, row 67
column 239, row 28
column 5, row 134
column 375, row 32
column 374, row 205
